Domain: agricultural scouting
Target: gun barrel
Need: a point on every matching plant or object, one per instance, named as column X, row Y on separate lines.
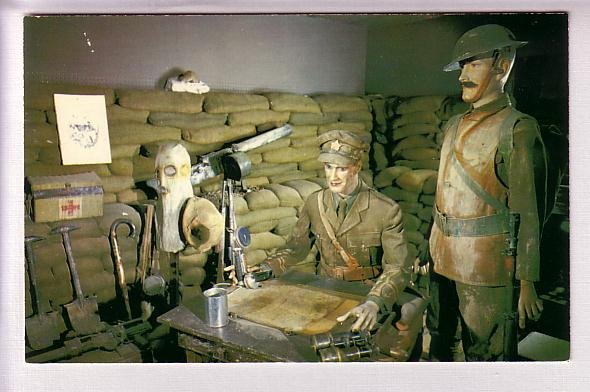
column 262, row 139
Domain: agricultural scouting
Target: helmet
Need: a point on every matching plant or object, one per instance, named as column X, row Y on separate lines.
column 480, row 40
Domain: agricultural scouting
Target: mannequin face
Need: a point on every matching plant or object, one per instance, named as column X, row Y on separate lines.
column 479, row 83
column 342, row 179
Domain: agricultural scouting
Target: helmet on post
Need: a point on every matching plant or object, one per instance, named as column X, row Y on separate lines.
column 480, row 40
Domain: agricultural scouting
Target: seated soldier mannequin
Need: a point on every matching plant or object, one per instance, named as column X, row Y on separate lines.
column 357, row 230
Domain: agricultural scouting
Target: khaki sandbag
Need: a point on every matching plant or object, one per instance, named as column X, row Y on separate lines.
column 414, row 129
column 415, row 237
column 50, row 154
column 439, row 138
column 113, row 211
column 303, row 132
column 218, row 134
column 127, row 132
column 88, row 265
column 262, row 199
column 355, row 127
column 398, row 194
column 261, row 227
column 313, row 118
column 211, row 186
column 280, row 143
column 411, row 222
column 367, row 177
column 427, row 200
column 424, row 228
column 379, row 111
column 192, row 276
column 160, row 100
column 413, row 142
column 116, row 184
column 34, row 115
column 240, row 205
column 121, row 167
column 379, row 156
column 422, row 117
column 109, row 197
column 40, row 134
column 290, row 176
column 233, row 102
column 194, row 149
column 413, row 180
column 187, row 120
column 285, row 226
column 320, row 180
column 260, row 116
column 250, row 218
column 423, row 164
column 425, row 214
column 129, row 196
column 380, row 138
column 128, row 251
column 44, row 169
column 288, row 197
column 386, row 176
column 410, row 207
column 254, row 158
column 305, row 142
column 254, row 182
column 340, row 103
column 304, row 187
column 290, row 154
column 420, row 104
column 429, row 186
column 119, row 113
column 452, row 106
column 254, row 256
column 40, row 95
column 287, row 102
column 419, row 154
column 266, row 169
column 266, row 241
column 119, row 151
column 92, row 284
column 311, row 164
column 143, row 168
column 357, row 116
column 35, row 228
column 192, row 260
column 86, row 227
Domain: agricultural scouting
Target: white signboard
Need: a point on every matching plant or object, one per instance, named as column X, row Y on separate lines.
column 83, row 129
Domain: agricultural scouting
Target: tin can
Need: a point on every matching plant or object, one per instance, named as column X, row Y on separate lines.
column 216, row 311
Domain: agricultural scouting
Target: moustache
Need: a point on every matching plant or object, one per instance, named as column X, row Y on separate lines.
column 468, row 84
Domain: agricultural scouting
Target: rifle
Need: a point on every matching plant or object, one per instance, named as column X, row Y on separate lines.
column 511, row 312
column 232, row 160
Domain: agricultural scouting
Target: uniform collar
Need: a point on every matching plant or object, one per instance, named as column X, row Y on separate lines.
column 491, row 107
column 349, row 198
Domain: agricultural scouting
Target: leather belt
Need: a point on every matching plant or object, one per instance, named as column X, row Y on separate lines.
column 472, row 227
column 352, row 274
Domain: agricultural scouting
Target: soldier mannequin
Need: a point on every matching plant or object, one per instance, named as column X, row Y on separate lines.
column 470, row 232
column 364, row 223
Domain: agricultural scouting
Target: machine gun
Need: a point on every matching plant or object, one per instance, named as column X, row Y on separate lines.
column 232, row 160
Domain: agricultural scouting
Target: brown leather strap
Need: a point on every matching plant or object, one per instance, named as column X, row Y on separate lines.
column 352, row 274
column 350, row 261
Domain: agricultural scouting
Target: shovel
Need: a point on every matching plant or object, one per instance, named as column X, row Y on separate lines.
column 43, row 327
column 82, row 312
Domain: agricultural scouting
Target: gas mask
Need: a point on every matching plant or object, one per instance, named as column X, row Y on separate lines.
column 173, row 170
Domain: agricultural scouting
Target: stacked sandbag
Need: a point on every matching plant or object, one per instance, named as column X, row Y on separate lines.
column 416, row 135
column 381, row 142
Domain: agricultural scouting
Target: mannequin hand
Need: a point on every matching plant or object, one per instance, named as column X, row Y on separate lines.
column 529, row 305
column 366, row 316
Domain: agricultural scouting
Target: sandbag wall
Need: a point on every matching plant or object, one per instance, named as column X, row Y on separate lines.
column 406, row 151
column 283, row 174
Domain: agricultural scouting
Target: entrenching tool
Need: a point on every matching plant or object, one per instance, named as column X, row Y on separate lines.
column 154, row 284
column 82, row 312
column 118, row 262
column 42, row 328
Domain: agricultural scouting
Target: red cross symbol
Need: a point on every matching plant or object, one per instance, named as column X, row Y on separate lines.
column 69, row 208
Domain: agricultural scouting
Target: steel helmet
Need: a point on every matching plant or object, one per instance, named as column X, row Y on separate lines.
column 480, row 40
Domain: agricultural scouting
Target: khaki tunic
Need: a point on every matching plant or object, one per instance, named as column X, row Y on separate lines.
column 479, row 260
column 372, row 232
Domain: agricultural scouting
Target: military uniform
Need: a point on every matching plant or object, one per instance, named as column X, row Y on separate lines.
column 469, row 236
column 371, row 232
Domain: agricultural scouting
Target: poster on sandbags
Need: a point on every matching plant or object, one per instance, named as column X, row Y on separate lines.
column 83, row 129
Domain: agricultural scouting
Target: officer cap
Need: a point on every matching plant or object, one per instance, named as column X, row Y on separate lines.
column 342, row 148
column 480, row 40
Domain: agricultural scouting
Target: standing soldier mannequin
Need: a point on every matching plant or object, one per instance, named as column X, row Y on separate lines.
column 357, row 230
column 486, row 183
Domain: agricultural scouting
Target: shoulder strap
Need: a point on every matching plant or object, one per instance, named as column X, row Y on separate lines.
column 350, row 261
